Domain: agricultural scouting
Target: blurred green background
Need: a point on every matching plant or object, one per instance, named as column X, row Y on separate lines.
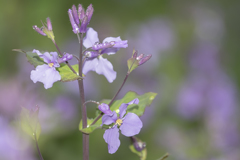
column 194, row 70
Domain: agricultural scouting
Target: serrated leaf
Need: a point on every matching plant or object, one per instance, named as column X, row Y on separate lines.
column 67, row 74
column 132, row 64
column 91, row 128
column 32, row 58
column 144, row 101
column 30, row 125
column 142, row 154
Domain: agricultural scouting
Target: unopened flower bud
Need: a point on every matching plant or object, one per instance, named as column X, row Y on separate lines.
column 135, row 53
column 39, row 30
column 145, row 59
column 49, row 24
column 89, row 12
column 140, row 57
column 65, row 58
column 73, row 23
column 91, row 54
column 34, row 110
column 105, row 45
column 81, row 13
column 84, row 24
column 104, row 108
column 75, row 14
column 138, row 144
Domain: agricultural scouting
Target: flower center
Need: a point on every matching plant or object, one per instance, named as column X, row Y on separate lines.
column 119, row 122
column 50, row 64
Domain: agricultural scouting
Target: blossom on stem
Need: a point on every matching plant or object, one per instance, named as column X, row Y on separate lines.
column 97, row 63
column 47, row 73
column 129, row 124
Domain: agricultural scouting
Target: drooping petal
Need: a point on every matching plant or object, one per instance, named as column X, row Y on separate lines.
column 45, row 74
column 111, row 137
column 105, row 108
column 105, row 68
column 90, row 65
column 124, row 106
column 131, row 125
column 109, row 118
column 91, row 38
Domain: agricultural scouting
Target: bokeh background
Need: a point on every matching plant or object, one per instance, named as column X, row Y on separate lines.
column 195, row 46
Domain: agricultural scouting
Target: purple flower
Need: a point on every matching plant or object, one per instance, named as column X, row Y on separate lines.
column 46, row 73
column 97, row 63
column 130, row 124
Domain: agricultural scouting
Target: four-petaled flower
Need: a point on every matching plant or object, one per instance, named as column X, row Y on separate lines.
column 47, row 73
column 97, row 63
column 130, row 124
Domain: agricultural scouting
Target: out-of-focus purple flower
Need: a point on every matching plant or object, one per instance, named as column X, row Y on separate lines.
column 130, row 124
column 13, row 144
column 98, row 63
column 46, row 73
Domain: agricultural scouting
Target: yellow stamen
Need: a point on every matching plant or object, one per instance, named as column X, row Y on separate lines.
column 119, row 122
column 50, row 64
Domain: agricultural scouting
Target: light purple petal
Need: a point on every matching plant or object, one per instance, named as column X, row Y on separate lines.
column 54, row 59
column 109, row 118
column 105, row 68
column 46, row 56
column 91, row 38
column 124, row 106
column 110, row 51
column 109, row 39
column 45, row 74
column 131, row 125
column 111, row 137
column 90, row 65
column 105, row 108
column 121, row 44
column 37, row 51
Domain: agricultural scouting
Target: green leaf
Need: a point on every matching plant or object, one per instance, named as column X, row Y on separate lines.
column 30, row 124
column 132, row 64
column 90, row 129
column 67, row 74
column 144, row 101
column 32, row 58
column 142, row 154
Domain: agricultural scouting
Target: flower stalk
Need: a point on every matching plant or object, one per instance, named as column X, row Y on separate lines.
column 83, row 105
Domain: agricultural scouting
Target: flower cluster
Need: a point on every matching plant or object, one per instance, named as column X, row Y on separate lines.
column 129, row 124
column 79, row 19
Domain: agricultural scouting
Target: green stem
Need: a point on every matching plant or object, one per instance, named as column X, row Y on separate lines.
column 39, row 152
column 110, row 103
